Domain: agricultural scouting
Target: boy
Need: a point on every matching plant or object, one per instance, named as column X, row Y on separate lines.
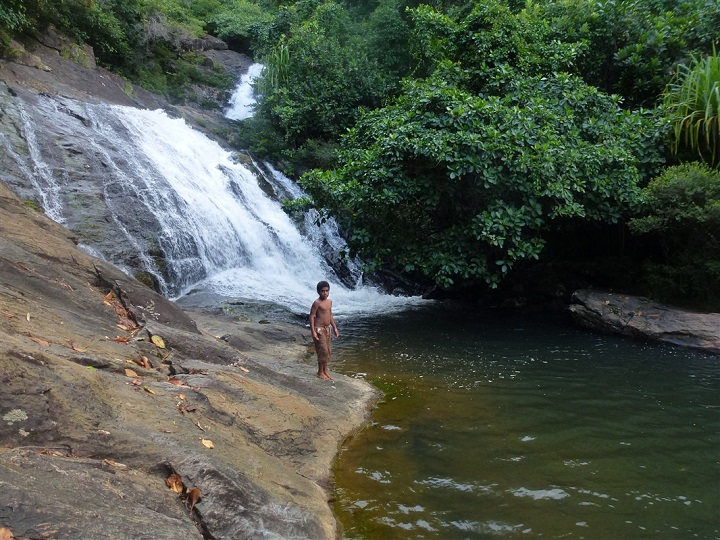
column 321, row 325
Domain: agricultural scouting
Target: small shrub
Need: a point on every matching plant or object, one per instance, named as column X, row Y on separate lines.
column 680, row 225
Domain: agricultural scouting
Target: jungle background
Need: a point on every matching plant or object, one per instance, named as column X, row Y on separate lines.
column 465, row 147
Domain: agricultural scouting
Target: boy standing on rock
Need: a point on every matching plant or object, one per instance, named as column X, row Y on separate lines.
column 322, row 325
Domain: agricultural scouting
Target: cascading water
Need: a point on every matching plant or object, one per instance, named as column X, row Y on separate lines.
column 151, row 194
column 242, row 100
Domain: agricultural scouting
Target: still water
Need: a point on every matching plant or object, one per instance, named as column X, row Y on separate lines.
column 502, row 425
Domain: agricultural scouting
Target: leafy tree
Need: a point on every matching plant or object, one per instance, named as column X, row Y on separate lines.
column 460, row 176
column 631, row 47
column 318, row 77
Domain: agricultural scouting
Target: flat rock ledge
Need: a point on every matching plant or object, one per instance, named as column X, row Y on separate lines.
column 640, row 317
column 123, row 416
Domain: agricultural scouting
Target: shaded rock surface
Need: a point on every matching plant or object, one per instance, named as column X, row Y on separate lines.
column 639, row 317
column 64, row 147
column 86, row 446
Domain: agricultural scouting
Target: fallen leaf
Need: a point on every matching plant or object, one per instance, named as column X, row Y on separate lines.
column 175, row 483
column 190, row 408
column 207, row 443
column 75, row 347
column 197, row 424
column 148, row 390
column 176, row 381
column 130, row 373
column 109, row 296
column 181, row 396
column 193, row 496
column 246, row 370
column 6, row 534
column 119, row 339
column 21, row 265
column 63, row 284
column 115, row 464
column 158, row 341
column 136, row 382
column 39, row 341
column 145, row 362
column 27, row 317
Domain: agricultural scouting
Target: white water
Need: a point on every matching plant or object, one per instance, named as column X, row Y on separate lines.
column 247, row 245
column 242, row 101
column 168, row 189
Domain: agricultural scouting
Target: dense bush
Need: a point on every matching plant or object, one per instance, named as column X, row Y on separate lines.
column 680, row 224
column 632, row 47
column 459, row 178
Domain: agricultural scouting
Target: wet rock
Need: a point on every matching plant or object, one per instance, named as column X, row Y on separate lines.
column 254, row 432
column 640, row 317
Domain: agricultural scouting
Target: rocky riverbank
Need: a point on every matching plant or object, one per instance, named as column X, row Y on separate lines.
column 123, row 416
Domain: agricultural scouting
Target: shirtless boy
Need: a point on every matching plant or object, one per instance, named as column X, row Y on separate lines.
column 321, row 326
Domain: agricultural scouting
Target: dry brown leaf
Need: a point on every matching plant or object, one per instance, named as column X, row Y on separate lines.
column 130, row 373
column 137, row 361
column 145, row 362
column 21, row 265
column 176, row 381
column 190, row 408
column 119, row 339
column 193, row 496
column 207, row 443
column 158, row 341
column 181, row 396
column 6, row 534
column 27, row 317
column 115, row 464
column 110, row 296
column 246, row 370
column 148, row 390
column 136, row 382
column 63, row 284
column 75, row 347
column 175, row 483
column 39, row 341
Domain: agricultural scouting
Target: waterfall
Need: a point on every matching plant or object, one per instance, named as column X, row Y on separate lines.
column 242, row 100
column 153, row 195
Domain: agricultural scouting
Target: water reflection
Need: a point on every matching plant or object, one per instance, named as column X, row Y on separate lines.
column 500, row 425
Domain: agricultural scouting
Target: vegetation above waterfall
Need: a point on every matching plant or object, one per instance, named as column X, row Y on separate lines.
column 458, row 142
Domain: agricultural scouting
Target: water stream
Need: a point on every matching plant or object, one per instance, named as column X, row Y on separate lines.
column 503, row 425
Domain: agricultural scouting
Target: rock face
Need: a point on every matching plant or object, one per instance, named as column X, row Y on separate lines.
column 96, row 417
column 639, row 317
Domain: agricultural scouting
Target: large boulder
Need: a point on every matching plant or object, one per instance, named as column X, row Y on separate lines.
column 640, row 317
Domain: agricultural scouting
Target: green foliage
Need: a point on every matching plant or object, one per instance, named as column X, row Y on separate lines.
column 692, row 101
column 458, row 187
column 317, row 78
column 241, row 20
column 680, row 215
column 632, row 46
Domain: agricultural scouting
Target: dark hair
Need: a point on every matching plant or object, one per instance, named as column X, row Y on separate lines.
column 322, row 285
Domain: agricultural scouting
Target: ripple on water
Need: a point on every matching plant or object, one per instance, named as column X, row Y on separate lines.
column 540, row 494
